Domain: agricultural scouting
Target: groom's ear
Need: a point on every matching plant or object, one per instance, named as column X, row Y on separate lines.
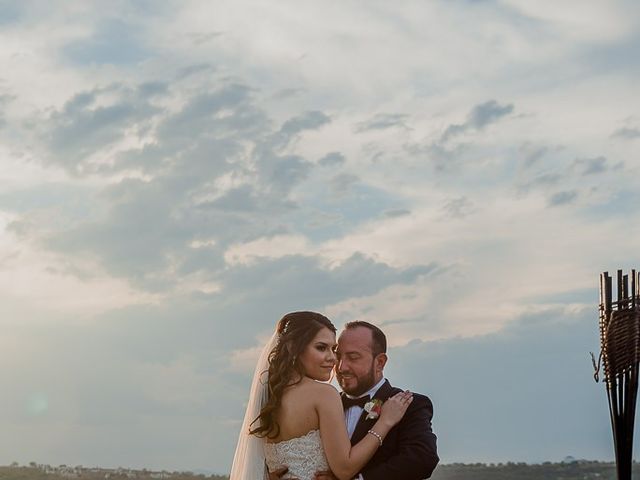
column 380, row 361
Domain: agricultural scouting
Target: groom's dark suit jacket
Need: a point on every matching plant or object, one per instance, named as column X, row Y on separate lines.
column 409, row 449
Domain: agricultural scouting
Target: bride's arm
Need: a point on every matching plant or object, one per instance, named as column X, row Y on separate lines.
column 345, row 460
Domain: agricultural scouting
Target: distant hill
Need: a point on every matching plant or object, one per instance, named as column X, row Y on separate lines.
column 573, row 470
column 576, row 470
column 65, row 472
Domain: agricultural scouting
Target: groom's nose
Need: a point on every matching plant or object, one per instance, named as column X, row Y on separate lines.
column 341, row 365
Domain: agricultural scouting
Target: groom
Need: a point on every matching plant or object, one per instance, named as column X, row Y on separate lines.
column 409, row 450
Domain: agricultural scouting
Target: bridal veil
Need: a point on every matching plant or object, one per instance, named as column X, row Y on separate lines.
column 249, row 461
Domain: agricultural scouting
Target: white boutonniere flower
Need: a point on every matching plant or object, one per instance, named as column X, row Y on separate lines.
column 373, row 408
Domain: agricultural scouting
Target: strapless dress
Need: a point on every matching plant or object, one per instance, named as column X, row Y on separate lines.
column 303, row 455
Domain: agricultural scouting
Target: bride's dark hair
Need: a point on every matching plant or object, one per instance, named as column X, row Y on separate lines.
column 295, row 330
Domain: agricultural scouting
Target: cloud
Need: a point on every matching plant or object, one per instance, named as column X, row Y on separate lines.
column 287, row 93
column 84, row 127
column 562, row 198
column 198, row 174
column 212, row 168
column 140, row 236
column 311, row 120
column 307, row 121
column 591, row 166
column 382, row 121
column 242, row 198
column 122, row 128
column 341, row 183
column 153, row 88
column 332, row 159
column 626, row 133
column 458, row 207
column 203, row 138
column 443, row 157
column 113, row 42
column 10, row 12
column 532, row 153
column 252, row 297
column 205, row 106
column 298, row 279
column 396, row 212
column 447, row 156
column 283, row 173
column 195, row 70
column 276, row 246
column 544, row 181
column 578, row 177
column 5, row 99
column 200, row 38
column 480, row 116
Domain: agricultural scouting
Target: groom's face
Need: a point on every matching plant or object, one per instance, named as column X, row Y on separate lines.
column 355, row 368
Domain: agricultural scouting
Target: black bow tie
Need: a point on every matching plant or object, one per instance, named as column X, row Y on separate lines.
column 353, row 402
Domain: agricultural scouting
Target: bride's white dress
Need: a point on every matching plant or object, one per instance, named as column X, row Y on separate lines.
column 303, row 455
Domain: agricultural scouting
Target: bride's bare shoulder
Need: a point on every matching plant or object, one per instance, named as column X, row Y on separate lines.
column 322, row 391
column 312, row 390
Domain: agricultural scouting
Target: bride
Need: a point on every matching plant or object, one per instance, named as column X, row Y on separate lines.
column 294, row 418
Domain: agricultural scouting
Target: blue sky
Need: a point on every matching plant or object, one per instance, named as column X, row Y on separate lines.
column 175, row 176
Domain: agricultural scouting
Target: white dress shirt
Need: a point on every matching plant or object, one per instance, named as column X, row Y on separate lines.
column 353, row 414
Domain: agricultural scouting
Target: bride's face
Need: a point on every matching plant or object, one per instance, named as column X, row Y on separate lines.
column 318, row 358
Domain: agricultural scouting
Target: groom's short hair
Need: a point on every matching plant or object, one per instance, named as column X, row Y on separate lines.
column 378, row 338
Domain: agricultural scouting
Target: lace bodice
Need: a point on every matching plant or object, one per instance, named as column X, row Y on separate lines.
column 303, row 455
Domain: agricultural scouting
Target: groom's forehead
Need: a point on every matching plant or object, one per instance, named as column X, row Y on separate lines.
column 355, row 339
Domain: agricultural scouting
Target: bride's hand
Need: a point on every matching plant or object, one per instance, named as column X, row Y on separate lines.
column 278, row 474
column 325, row 475
column 394, row 408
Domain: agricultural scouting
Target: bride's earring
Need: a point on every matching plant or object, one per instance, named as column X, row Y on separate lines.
column 293, row 362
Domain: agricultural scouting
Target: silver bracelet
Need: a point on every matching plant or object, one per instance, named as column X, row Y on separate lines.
column 376, row 434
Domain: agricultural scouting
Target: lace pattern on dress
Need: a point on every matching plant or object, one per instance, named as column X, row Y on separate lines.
column 303, row 455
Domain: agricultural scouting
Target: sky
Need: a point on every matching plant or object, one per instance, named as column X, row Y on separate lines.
column 177, row 175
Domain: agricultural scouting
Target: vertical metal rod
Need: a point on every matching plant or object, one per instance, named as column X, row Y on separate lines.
column 633, row 289
column 635, row 367
column 632, row 406
column 623, row 294
column 621, row 433
column 608, row 293
column 613, row 405
column 619, row 292
column 612, row 380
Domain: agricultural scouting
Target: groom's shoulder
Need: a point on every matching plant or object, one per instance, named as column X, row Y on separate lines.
column 419, row 400
column 422, row 401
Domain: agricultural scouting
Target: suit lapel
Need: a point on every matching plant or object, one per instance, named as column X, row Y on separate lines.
column 364, row 423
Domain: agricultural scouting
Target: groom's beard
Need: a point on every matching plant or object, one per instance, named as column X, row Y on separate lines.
column 362, row 384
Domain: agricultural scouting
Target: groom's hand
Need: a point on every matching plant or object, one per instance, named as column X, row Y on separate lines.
column 326, row 475
column 278, row 474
